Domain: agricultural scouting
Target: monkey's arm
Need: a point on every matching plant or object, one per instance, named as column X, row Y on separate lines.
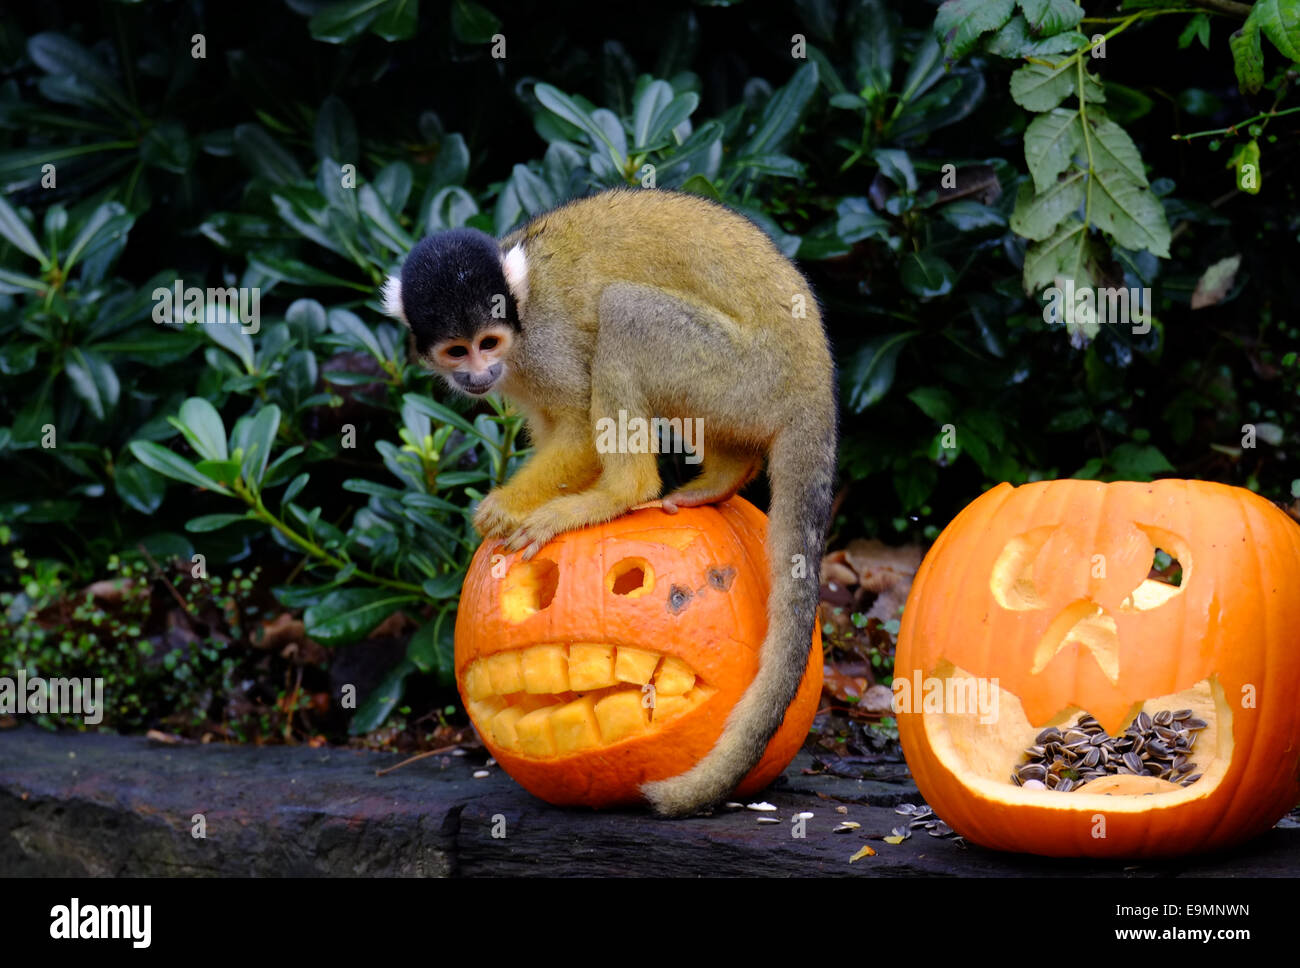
column 565, row 462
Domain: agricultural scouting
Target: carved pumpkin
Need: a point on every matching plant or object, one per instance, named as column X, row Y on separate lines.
column 1037, row 600
column 613, row 657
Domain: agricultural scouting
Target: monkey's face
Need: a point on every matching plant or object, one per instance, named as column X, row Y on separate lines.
column 475, row 365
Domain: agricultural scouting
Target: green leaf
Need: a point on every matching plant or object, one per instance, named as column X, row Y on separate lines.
column 107, row 223
column 1280, row 22
column 1038, row 87
column 298, row 272
column 437, row 411
column 926, row 276
column 1130, row 213
column 349, row 615
column 1113, row 148
column 559, row 103
column 1016, row 40
column 1037, row 215
column 473, row 23
column 858, row 221
column 1065, row 254
column 344, row 21
column 451, row 165
column 875, row 38
column 214, row 522
column 203, row 428
column 234, row 340
column 160, row 459
column 782, row 112
column 336, row 132
column 870, row 372
column 398, row 21
column 265, row 157
column 16, row 282
column 59, row 55
column 656, row 96
column 372, row 713
column 1047, row 17
column 139, row 488
column 444, row 586
column 256, row 438
column 168, row 146
column 1138, row 462
column 94, row 380
column 1247, row 58
column 433, row 648
column 15, row 230
column 1051, row 141
column 959, row 23
column 393, row 183
column 383, row 224
column 936, row 403
column 347, row 323
column 1198, row 28
column 222, row 471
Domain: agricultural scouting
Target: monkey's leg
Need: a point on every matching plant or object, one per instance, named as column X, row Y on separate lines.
column 725, row 472
column 565, row 462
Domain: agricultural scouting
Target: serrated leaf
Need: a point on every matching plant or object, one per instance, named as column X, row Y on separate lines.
column 1280, row 22
column 959, row 24
column 1037, row 214
column 1130, row 213
column 1061, row 255
column 1039, row 87
column 1016, row 39
column 1048, row 17
column 1113, row 148
column 1051, row 142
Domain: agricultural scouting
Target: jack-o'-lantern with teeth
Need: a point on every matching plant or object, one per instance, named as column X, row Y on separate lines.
column 613, row 657
column 1057, row 695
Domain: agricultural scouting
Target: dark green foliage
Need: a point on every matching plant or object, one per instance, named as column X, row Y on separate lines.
column 927, row 173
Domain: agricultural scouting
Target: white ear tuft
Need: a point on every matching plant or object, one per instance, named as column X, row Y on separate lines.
column 515, row 267
column 391, row 295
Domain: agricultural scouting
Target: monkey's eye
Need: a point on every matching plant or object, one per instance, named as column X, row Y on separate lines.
column 488, row 343
column 457, row 351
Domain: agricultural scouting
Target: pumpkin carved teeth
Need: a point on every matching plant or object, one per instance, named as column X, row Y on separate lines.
column 555, row 699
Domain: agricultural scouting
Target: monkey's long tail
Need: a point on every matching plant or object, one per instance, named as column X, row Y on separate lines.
column 801, row 468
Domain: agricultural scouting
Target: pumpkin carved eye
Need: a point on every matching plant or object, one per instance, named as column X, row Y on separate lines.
column 1032, row 569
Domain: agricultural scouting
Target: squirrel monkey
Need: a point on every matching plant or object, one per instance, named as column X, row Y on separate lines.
column 660, row 304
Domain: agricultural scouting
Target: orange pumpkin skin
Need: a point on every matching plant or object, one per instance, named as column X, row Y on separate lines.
column 984, row 604
column 702, row 601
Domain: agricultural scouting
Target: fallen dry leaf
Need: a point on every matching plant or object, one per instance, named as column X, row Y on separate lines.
column 864, row 852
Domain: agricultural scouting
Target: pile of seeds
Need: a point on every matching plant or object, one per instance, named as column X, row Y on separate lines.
column 1159, row 746
column 920, row 816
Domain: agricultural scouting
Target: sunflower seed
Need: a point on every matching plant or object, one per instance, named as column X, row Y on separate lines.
column 1133, row 762
column 1181, row 714
column 1093, row 757
column 940, row 829
column 1032, row 771
column 1050, row 735
column 1065, row 786
column 1163, row 718
column 903, row 831
column 1195, row 724
column 1144, row 722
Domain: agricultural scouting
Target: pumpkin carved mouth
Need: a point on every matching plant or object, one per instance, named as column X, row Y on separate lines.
column 554, row 699
column 984, row 750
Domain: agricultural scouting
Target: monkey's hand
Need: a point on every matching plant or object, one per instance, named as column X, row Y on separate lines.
column 497, row 516
column 564, row 514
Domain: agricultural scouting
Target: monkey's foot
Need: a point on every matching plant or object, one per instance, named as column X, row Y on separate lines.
column 495, row 518
column 563, row 514
column 689, row 497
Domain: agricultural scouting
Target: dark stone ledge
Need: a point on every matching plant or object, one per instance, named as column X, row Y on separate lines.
column 103, row 805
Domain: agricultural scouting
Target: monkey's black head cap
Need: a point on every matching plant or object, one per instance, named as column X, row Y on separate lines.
column 450, row 284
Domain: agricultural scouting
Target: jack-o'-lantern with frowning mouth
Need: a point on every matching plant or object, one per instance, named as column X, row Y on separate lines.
column 1056, row 695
